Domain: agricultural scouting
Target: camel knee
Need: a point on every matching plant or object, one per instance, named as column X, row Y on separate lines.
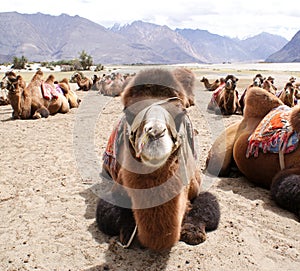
column 285, row 190
column 114, row 220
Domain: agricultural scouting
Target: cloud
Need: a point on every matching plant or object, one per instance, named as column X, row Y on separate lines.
column 233, row 18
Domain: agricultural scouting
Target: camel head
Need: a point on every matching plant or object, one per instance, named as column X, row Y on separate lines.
column 7, row 79
column 289, row 94
column 230, row 82
column 258, row 80
column 152, row 100
column 76, row 76
column 153, row 133
column 11, row 84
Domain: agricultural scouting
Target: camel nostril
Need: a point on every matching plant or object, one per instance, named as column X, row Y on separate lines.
column 156, row 133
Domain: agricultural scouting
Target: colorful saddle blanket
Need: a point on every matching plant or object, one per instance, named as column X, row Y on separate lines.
column 273, row 134
column 115, row 138
column 213, row 101
column 49, row 92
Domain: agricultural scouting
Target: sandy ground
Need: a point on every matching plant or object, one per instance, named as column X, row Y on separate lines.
column 47, row 203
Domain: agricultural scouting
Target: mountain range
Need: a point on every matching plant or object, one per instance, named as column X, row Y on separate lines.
column 42, row 37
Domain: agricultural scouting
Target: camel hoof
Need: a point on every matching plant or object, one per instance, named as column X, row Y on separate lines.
column 36, row 115
column 192, row 235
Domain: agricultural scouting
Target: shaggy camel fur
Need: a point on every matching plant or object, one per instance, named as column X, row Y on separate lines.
column 211, row 86
column 278, row 172
column 152, row 167
column 84, row 84
column 187, row 79
column 225, row 99
column 71, row 96
column 288, row 95
column 29, row 102
column 268, row 86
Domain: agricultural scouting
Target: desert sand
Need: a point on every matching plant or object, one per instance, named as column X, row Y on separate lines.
column 47, row 200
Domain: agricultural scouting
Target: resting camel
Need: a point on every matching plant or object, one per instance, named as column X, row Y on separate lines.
column 288, row 95
column 151, row 158
column 257, row 81
column 29, row 102
column 110, row 86
column 268, row 86
column 271, row 162
column 187, row 79
column 225, row 98
column 84, row 84
column 211, row 86
column 71, row 96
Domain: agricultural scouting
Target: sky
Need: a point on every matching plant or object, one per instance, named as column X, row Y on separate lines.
column 232, row 18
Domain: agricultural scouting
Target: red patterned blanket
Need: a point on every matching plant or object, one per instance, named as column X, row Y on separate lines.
column 273, row 134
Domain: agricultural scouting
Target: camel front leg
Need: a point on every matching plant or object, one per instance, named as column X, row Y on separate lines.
column 220, row 155
column 114, row 220
column 285, row 189
column 203, row 216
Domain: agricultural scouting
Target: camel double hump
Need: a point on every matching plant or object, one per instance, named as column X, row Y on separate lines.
column 39, row 98
column 150, row 157
column 211, row 86
column 84, row 84
column 264, row 146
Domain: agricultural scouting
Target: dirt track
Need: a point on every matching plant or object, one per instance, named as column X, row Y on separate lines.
column 47, row 208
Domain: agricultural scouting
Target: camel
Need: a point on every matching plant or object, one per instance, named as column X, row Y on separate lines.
column 29, row 102
column 84, row 84
column 110, row 85
column 257, row 81
column 268, row 86
column 225, row 98
column 288, row 95
column 211, row 86
column 187, row 79
column 270, row 162
column 71, row 96
column 271, row 80
column 95, row 80
column 151, row 158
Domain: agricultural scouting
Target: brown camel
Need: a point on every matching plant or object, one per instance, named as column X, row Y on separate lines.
column 29, row 102
column 111, row 85
column 153, row 167
column 257, row 81
column 71, row 96
column 271, row 162
column 288, row 95
column 211, row 86
column 225, row 99
column 84, row 84
column 268, row 86
column 187, row 79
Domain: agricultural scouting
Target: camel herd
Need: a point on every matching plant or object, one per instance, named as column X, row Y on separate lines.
column 225, row 98
column 150, row 160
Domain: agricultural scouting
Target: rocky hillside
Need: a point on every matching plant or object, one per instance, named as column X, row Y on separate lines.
column 41, row 37
column 289, row 53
